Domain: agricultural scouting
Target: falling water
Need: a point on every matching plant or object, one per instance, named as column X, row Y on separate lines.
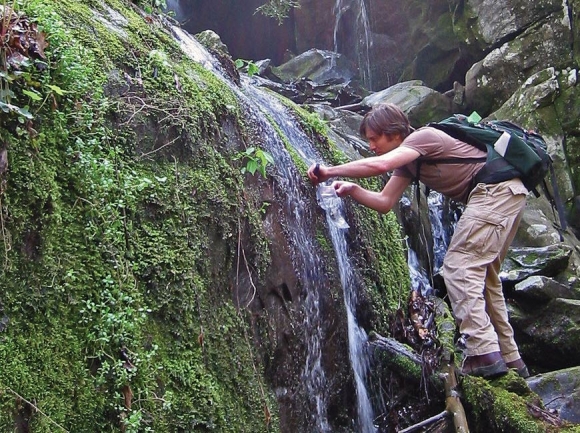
column 442, row 227
column 309, row 266
column 357, row 336
column 419, row 278
column 362, row 32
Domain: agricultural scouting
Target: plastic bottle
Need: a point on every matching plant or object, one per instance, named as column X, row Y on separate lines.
column 331, row 202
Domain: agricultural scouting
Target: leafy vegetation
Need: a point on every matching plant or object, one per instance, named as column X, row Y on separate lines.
column 109, row 294
column 256, row 160
column 251, row 66
column 151, row 6
column 278, row 9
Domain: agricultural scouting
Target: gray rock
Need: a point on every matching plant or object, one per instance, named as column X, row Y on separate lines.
column 491, row 81
column 524, row 262
column 543, row 289
column 560, row 392
column 421, row 103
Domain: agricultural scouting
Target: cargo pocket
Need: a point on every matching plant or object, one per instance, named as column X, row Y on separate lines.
column 480, row 235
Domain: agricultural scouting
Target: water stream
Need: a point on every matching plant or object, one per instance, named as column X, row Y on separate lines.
column 309, row 268
column 308, row 264
column 357, row 336
column 363, row 43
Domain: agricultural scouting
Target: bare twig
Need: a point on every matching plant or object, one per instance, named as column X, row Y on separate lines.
column 169, row 143
column 426, row 422
column 36, row 408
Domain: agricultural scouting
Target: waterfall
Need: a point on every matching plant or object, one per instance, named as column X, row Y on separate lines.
column 309, row 266
column 363, row 44
column 419, row 277
column 356, row 335
column 440, row 238
column 442, row 221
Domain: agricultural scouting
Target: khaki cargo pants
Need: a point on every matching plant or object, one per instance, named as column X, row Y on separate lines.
column 472, row 265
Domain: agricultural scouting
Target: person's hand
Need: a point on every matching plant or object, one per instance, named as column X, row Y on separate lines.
column 343, row 188
column 317, row 173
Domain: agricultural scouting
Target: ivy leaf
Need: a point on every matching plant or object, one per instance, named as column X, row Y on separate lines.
column 56, row 89
column 252, row 166
column 32, row 95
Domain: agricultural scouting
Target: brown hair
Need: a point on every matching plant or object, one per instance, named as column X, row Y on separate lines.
column 386, row 119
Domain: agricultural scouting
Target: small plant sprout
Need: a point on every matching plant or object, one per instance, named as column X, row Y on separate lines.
column 250, row 67
column 256, row 160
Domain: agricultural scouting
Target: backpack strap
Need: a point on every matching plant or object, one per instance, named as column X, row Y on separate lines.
column 433, row 161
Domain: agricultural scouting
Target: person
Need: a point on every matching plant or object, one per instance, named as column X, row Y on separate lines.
column 483, row 234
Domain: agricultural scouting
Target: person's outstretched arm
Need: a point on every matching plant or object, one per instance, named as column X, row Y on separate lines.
column 382, row 201
column 367, row 167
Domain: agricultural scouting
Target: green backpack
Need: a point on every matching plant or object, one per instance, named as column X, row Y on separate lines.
column 511, row 151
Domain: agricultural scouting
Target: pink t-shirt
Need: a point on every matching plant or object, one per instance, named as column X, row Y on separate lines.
column 452, row 180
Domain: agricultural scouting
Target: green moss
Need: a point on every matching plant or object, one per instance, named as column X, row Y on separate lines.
column 118, row 316
column 496, row 408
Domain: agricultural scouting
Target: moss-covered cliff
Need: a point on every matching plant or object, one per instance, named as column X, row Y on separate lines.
column 125, row 220
column 117, row 310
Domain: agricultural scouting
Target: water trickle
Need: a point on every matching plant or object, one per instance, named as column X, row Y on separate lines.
column 363, row 44
column 309, row 268
column 442, row 226
column 359, row 357
column 195, row 51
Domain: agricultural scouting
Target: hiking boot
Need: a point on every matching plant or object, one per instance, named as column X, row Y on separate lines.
column 520, row 367
column 489, row 365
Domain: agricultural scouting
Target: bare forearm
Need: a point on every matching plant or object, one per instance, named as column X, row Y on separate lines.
column 368, row 167
column 374, row 200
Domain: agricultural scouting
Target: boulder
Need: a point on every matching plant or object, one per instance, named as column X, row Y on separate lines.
column 491, row 81
column 421, row 103
column 498, row 20
column 524, row 262
column 319, row 66
column 549, row 336
column 542, row 289
column 560, row 392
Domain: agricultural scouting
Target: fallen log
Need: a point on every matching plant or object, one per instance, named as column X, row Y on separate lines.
column 399, row 357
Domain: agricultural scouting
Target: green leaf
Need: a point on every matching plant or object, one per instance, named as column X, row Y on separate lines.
column 252, row 69
column 56, row 89
column 239, row 63
column 269, row 157
column 25, row 113
column 32, row 95
column 252, row 166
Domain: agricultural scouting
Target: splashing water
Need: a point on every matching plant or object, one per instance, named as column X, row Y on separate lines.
column 309, row 267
